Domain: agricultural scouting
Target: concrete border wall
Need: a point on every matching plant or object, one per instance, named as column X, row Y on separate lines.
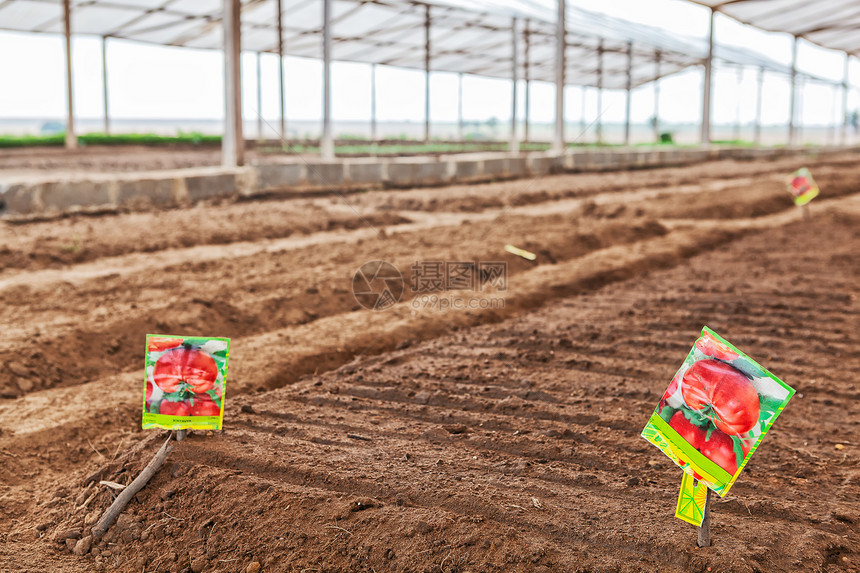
column 139, row 190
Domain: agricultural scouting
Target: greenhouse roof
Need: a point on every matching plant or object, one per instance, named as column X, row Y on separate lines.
column 833, row 24
column 471, row 36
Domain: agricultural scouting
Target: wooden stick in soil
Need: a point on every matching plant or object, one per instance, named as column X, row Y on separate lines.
column 805, row 212
column 705, row 529
column 129, row 492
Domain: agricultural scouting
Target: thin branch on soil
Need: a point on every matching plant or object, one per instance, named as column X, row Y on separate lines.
column 442, row 565
column 338, row 527
column 510, row 505
column 101, row 455
column 89, row 499
column 154, row 524
column 131, row 490
column 116, row 451
column 112, row 484
column 359, row 437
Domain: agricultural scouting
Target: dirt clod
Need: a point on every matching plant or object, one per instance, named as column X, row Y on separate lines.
column 18, row 369
column 82, row 547
column 63, row 534
column 199, row 564
column 24, row 384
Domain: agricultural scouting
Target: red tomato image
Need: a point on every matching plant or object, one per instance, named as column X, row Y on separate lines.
column 693, row 434
column 184, row 368
column 158, row 344
column 724, row 394
column 203, row 405
column 673, row 387
column 149, row 389
column 800, row 185
column 713, row 347
column 169, row 408
column 720, row 449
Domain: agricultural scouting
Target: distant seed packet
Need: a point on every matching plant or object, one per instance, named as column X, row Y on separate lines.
column 802, row 186
column 185, row 382
column 716, row 411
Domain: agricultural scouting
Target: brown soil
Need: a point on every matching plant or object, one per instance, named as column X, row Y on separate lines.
column 504, row 439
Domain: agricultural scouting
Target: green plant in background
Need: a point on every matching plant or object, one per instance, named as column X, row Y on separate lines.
column 733, row 142
column 193, row 138
column 667, row 137
column 55, row 139
column 58, row 139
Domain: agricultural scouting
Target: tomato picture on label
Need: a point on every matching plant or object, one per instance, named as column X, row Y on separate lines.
column 693, row 434
column 203, row 405
column 723, row 394
column 713, row 347
column 185, row 369
column 720, row 449
column 162, row 343
column 169, row 408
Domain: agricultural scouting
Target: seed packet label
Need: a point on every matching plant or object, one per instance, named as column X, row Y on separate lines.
column 691, row 500
column 717, row 409
column 802, row 186
column 185, row 382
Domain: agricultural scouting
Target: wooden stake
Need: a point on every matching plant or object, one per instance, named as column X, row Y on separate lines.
column 805, row 208
column 705, row 529
column 180, row 435
column 129, row 492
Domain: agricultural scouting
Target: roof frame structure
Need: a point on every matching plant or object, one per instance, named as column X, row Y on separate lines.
column 386, row 32
column 831, row 24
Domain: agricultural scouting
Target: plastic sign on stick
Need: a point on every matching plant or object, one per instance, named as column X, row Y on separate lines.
column 185, row 382
column 802, row 187
column 691, row 500
column 716, row 411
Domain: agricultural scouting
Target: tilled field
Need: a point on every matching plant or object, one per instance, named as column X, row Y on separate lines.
column 414, row 439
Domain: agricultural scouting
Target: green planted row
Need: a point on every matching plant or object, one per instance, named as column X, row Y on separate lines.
column 57, row 139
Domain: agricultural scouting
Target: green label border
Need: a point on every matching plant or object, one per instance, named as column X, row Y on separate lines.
column 694, row 456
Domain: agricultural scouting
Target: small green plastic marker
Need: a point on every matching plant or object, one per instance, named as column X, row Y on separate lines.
column 529, row 256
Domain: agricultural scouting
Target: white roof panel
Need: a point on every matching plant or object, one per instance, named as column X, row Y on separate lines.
column 28, row 16
column 469, row 36
column 828, row 23
column 195, row 7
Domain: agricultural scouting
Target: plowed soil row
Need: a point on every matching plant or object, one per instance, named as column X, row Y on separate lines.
column 503, row 439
